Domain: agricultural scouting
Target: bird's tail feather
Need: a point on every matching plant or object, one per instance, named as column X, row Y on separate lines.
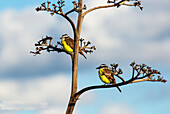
column 119, row 89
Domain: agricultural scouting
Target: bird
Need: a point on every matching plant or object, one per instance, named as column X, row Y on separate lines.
column 105, row 75
column 68, row 44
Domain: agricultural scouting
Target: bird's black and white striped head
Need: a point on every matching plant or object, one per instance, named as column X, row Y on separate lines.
column 104, row 66
column 65, row 36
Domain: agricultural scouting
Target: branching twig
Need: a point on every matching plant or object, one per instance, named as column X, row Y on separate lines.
column 116, row 72
column 57, row 9
column 147, row 72
column 45, row 44
column 84, row 46
column 117, row 3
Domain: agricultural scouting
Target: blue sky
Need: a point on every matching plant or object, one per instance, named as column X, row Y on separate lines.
column 41, row 84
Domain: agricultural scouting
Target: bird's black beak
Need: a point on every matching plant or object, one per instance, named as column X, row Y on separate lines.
column 98, row 67
column 61, row 37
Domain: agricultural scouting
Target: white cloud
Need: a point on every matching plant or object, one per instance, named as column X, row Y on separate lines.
column 49, row 94
column 117, row 109
column 87, row 98
column 56, row 111
column 52, row 111
column 38, row 94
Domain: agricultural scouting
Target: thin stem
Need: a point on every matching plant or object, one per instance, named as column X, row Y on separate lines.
column 133, row 73
column 100, row 7
column 120, row 78
column 72, row 24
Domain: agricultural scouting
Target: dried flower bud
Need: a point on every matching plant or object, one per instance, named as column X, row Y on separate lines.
column 93, row 47
column 81, row 39
column 43, row 4
column 139, row 2
column 108, row 1
column 137, row 65
column 133, row 63
column 84, row 7
column 135, row 4
column 74, row 2
column 115, row 65
column 54, row 5
column 159, row 73
column 37, row 9
column 88, row 43
column 58, row 2
column 120, row 71
column 58, row 42
column 148, row 67
column 144, row 65
column 141, row 8
column 52, row 14
column 48, row 2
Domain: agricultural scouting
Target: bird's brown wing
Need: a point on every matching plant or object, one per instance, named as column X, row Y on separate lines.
column 70, row 42
column 107, row 73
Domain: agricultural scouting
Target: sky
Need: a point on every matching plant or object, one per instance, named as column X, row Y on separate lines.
column 41, row 84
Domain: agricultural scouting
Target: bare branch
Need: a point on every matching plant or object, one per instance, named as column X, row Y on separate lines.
column 117, row 4
column 147, row 72
column 116, row 72
column 74, row 9
column 84, row 46
column 57, row 9
column 45, row 44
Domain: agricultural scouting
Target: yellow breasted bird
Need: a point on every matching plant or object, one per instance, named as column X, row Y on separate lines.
column 105, row 75
column 68, row 44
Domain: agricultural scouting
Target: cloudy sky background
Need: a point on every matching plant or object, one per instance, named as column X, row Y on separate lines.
column 41, row 84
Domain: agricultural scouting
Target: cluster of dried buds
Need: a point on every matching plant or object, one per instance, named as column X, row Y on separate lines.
column 146, row 71
column 116, row 71
column 118, row 3
column 77, row 6
column 57, row 8
column 140, row 73
column 45, row 44
column 84, row 46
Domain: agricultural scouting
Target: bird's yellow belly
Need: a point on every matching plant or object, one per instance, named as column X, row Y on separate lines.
column 103, row 78
column 67, row 47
